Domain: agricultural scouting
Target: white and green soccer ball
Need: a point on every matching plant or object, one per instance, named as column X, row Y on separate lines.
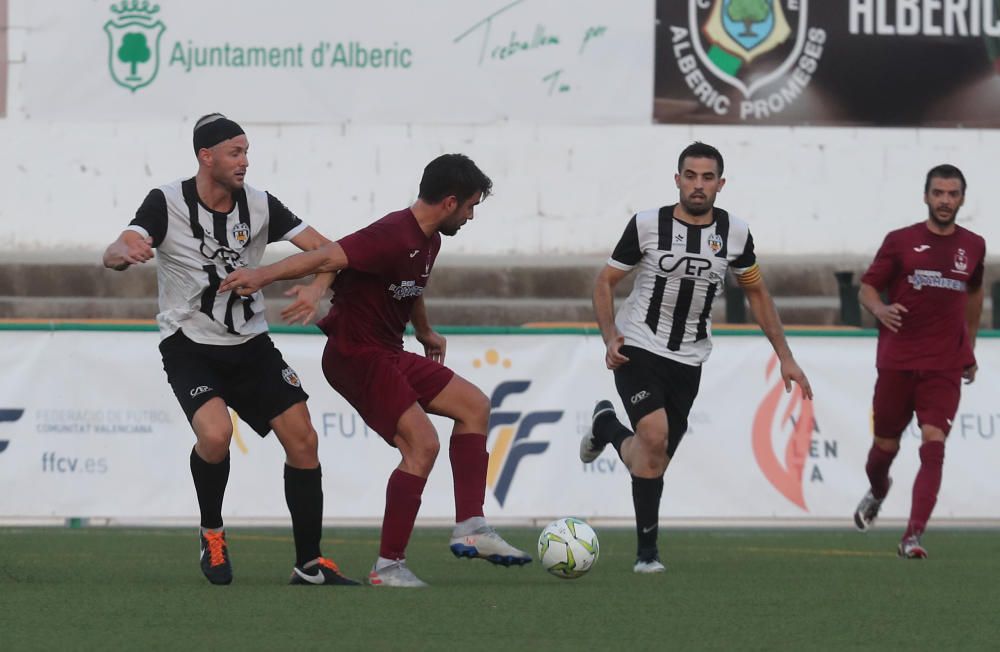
column 568, row 548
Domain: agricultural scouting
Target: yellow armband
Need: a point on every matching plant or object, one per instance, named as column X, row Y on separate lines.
column 750, row 276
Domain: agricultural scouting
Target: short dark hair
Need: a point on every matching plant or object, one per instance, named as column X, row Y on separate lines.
column 453, row 174
column 699, row 149
column 944, row 171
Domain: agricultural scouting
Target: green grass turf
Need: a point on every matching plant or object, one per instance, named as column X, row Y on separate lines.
column 107, row 588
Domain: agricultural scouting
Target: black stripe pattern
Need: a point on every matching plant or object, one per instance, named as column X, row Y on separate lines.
column 681, row 309
column 681, row 276
column 656, row 303
column 220, row 249
column 665, row 236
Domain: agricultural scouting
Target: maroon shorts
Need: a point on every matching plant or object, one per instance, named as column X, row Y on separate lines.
column 933, row 395
column 382, row 384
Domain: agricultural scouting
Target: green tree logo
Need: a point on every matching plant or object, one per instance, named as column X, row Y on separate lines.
column 134, row 43
column 748, row 12
column 134, row 50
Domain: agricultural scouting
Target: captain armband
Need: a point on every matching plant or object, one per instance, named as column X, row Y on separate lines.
column 751, row 276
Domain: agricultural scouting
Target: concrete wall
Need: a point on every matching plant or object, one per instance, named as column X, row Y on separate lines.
column 68, row 188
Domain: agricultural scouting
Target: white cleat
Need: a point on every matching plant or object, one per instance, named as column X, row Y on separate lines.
column 590, row 447
column 868, row 509
column 397, row 574
column 648, row 567
column 910, row 548
column 485, row 543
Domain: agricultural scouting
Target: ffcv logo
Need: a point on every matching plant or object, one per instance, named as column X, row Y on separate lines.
column 513, row 439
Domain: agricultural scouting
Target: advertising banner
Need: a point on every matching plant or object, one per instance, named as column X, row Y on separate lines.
column 374, row 61
column 89, row 428
column 888, row 63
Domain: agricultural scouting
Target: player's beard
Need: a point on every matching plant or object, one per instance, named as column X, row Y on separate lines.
column 698, row 209
column 450, row 225
column 230, row 182
column 943, row 223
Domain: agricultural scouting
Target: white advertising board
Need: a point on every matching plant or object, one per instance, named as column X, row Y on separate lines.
column 89, row 428
column 375, row 61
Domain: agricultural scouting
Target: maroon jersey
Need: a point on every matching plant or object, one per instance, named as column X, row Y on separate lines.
column 930, row 275
column 388, row 265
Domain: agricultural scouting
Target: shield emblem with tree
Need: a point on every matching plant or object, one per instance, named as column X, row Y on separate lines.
column 748, row 43
column 134, row 43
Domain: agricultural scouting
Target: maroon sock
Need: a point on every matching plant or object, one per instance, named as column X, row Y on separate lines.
column 469, row 461
column 925, row 487
column 879, row 461
column 402, row 502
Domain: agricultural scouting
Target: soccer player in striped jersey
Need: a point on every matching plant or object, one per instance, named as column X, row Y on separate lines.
column 386, row 267
column 215, row 347
column 662, row 334
column 932, row 274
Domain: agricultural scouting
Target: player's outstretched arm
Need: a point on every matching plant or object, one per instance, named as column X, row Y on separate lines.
column 767, row 318
column 328, row 258
column 307, row 297
column 131, row 248
column 604, row 312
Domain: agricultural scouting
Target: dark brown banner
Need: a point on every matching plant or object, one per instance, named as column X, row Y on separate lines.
column 828, row 62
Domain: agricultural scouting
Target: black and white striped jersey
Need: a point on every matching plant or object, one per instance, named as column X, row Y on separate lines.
column 198, row 247
column 682, row 268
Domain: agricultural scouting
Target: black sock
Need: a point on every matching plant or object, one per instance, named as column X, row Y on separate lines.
column 608, row 429
column 210, row 484
column 646, row 494
column 304, row 497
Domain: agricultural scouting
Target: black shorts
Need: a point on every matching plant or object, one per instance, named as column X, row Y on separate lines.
column 252, row 378
column 649, row 382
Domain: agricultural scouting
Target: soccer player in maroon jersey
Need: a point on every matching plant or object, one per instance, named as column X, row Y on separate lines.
column 382, row 272
column 932, row 273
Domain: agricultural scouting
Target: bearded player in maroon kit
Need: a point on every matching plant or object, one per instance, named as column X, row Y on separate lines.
column 932, row 272
column 383, row 270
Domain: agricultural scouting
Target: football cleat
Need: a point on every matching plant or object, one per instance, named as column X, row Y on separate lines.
column 395, row 574
column 215, row 562
column 648, row 566
column 320, row 571
column 867, row 511
column 910, row 548
column 485, row 543
column 590, row 446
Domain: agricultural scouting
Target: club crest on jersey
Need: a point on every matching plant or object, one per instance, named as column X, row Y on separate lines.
column 291, row 377
column 715, row 243
column 961, row 261
column 241, row 233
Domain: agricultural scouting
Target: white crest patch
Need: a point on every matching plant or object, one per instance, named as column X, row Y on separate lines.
column 291, row 377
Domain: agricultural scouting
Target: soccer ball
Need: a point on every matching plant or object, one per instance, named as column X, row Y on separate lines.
column 568, row 548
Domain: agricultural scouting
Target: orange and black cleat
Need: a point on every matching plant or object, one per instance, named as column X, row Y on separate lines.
column 215, row 557
column 320, row 571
